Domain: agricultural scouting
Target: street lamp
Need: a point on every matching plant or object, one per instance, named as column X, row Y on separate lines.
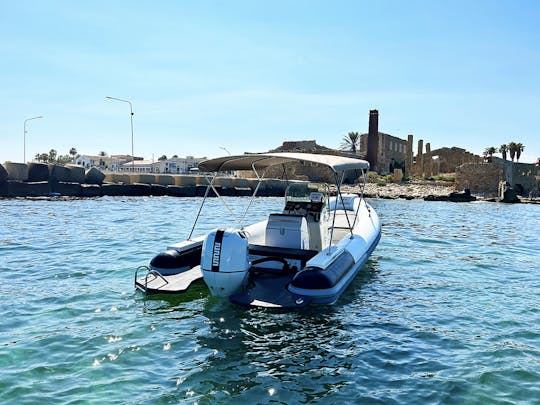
column 225, row 149
column 24, row 135
column 131, row 117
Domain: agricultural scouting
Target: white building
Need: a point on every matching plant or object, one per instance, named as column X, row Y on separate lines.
column 177, row 165
column 138, row 166
column 111, row 163
column 124, row 163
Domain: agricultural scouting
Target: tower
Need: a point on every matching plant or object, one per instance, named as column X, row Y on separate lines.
column 373, row 140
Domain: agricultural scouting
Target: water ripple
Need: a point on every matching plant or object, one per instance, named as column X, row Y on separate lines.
column 445, row 311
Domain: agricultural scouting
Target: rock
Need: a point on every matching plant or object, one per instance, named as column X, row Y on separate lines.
column 185, row 180
column 13, row 188
column 165, row 180
column 66, row 188
column 77, row 173
column 59, row 173
column 243, row 191
column 90, row 190
column 398, row 175
column 461, row 197
column 241, row 183
column 16, row 171
column 228, row 192
column 140, row 189
column 224, row 182
column 159, row 190
column 120, row 178
column 507, row 194
column 465, row 196
column 113, row 189
column 201, row 190
column 94, row 176
column 143, row 178
column 432, row 197
column 38, row 172
column 181, row 191
column 3, row 174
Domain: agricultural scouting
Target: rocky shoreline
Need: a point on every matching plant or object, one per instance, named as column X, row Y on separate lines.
column 39, row 181
column 407, row 191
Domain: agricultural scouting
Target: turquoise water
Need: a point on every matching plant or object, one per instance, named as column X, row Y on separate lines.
column 446, row 311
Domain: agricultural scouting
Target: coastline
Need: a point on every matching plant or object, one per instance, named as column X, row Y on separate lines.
column 408, row 191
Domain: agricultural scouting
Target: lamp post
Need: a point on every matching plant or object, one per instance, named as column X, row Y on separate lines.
column 24, row 135
column 131, row 117
column 225, row 149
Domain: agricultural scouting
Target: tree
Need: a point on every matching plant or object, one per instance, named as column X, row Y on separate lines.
column 489, row 152
column 163, row 157
column 350, row 142
column 175, row 157
column 503, row 149
column 52, row 155
column 63, row 159
column 512, row 149
column 519, row 148
column 42, row 157
column 73, row 152
column 102, row 153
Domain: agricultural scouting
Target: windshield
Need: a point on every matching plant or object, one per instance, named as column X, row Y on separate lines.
column 307, row 192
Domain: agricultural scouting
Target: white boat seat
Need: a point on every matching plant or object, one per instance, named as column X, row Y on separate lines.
column 287, row 231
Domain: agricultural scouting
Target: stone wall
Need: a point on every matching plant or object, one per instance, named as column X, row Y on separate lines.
column 450, row 158
column 523, row 177
column 480, row 178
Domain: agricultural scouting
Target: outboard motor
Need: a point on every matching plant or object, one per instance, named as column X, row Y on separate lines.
column 225, row 261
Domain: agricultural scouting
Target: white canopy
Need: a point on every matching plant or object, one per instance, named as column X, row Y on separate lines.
column 264, row 160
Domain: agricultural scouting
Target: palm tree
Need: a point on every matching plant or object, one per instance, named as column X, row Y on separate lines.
column 73, row 152
column 53, row 154
column 102, row 153
column 42, row 157
column 489, row 152
column 350, row 142
column 503, row 149
column 519, row 148
column 512, row 148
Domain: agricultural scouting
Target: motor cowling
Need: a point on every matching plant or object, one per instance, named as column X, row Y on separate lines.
column 225, row 261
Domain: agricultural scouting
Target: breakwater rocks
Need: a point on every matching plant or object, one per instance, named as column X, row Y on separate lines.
column 42, row 180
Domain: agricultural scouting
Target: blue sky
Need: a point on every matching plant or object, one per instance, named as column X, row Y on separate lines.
column 248, row 75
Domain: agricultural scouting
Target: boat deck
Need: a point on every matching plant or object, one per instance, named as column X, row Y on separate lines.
column 269, row 290
column 341, row 226
column 154, row 283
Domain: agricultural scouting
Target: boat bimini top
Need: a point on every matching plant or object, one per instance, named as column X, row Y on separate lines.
column 264, row 160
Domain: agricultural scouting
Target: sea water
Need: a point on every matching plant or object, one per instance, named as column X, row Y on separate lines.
column 447, row 310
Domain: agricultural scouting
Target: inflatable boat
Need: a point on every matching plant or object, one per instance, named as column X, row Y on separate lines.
column 306, row 254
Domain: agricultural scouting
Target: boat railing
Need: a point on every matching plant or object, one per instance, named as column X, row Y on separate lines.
column 149, row 272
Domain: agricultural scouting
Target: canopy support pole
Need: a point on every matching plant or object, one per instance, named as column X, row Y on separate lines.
column 202, row 203
column 259, row 178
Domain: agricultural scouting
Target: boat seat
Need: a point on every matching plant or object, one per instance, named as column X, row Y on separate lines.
column 287, row 253
column 287, row 231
